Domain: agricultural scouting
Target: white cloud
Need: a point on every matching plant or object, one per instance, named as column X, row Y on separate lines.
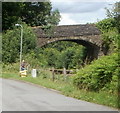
column 89, row 17
column 66, row 20
column 81, row 11
column 78, row 7
column 84, row 0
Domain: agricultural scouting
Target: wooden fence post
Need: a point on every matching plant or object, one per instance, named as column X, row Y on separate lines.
column 53, row 74
column 64, row 73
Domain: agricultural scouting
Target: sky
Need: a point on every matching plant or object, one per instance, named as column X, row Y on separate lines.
column 81, row 11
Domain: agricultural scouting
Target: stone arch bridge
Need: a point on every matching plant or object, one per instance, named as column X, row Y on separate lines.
column 87, row 35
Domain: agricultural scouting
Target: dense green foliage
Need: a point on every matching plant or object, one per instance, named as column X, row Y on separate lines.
column 11, row 12
column 110, row 28
column 11, row 43
column 106, row 24
column 109, row 34
column 32, row 13
column 101, row 74
column 58, row 55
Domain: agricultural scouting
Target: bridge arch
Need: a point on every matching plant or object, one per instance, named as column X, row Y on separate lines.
column 92, row 49
column 87, row 35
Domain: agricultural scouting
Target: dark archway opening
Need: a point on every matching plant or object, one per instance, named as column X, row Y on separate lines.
column 92, row 49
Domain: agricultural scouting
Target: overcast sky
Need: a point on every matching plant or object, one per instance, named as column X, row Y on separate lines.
column 81, row 11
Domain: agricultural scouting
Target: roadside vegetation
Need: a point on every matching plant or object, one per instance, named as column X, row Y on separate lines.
column 96, row 82
column 66, row 87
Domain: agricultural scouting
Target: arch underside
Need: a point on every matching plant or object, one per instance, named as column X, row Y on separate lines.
column 92, row 49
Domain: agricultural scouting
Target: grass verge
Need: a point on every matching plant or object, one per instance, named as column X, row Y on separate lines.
column 103, row 98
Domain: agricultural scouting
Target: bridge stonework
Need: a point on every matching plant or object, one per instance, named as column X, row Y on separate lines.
column 87, row 35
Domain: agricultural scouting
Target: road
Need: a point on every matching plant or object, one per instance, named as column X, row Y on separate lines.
column 20, row 96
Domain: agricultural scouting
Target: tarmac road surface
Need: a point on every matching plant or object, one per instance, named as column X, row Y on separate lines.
column 20, row 96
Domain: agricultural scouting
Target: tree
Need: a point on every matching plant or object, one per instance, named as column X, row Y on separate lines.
column 52, row 56
column 106, row 24
column 52, row 21
column 32, row 13
column 110, row 28
column 11, row 12
column 0, row 16
column 67, row 57
column 36, row 13
column 115, row 14
column 61, row 54
column 11, row 43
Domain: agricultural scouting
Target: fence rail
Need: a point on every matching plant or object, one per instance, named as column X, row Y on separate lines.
column 61, row 71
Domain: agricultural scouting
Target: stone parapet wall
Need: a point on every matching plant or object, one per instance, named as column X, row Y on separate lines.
column 69, row 31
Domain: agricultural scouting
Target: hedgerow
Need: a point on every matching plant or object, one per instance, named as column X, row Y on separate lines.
column 101, row 74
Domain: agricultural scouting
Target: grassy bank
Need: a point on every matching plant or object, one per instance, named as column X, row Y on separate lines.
column 68, row 89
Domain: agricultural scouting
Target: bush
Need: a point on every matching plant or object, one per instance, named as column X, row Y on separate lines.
column 99, row 75
column 13, row 67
